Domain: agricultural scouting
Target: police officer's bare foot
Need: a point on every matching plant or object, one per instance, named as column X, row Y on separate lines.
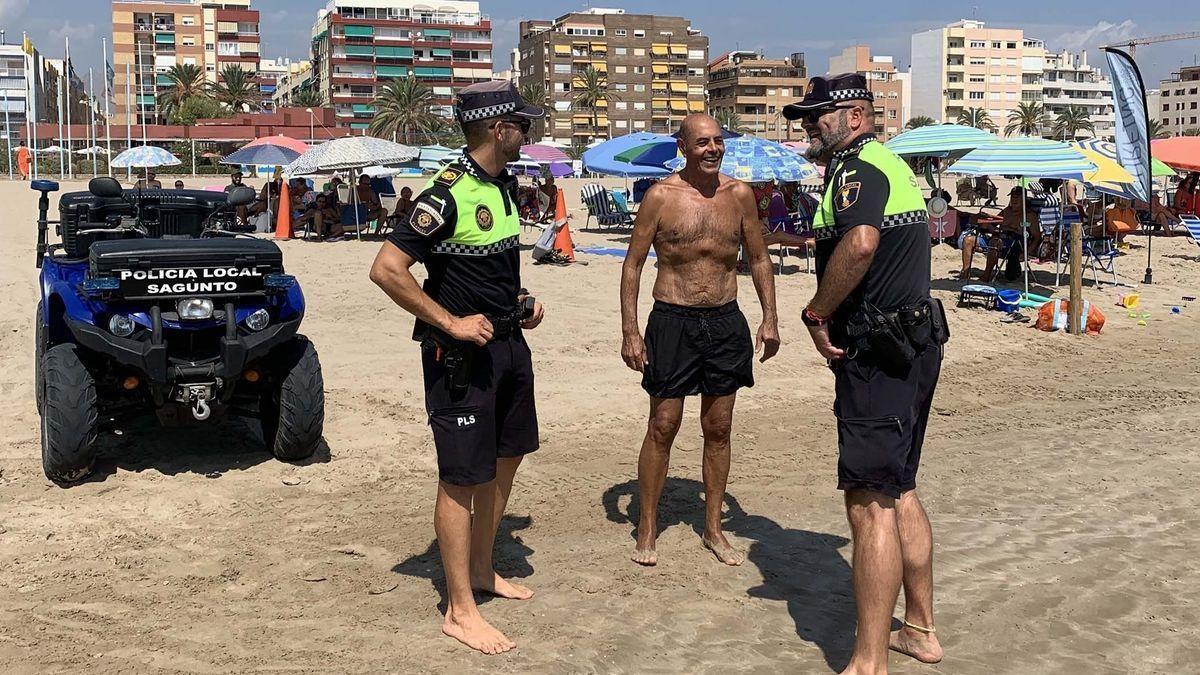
column 645, row 553
column 493, row 583
column 470, row 629
column 724, row 552
column 918, row 644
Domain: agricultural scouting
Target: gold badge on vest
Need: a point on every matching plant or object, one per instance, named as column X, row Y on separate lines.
column 484, row 218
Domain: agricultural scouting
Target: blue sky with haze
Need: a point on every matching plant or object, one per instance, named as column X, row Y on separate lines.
column 819, row 29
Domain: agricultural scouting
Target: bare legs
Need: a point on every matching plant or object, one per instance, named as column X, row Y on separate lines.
column 716, row 419
column 892, row 545
column 665, row 414
column 968, row 252
column 466, row 550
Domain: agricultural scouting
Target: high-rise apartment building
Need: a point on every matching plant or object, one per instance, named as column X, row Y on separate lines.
column 151, row 37
column 270, row 72
column 27, row 79
column 1178, row 108
column 298, row 77
column 1069, row 82
column 756, row 89
column 358, row 46
column 967, row 65
column 882, row 80
column 652, row 67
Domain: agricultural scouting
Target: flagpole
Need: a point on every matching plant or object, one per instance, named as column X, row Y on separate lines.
column 128, row 119
column 92, row 119
column 8, row 135
column 107, row 113
column 61, row 168
column 32, row 108
column 141, row 82
column 68, row 96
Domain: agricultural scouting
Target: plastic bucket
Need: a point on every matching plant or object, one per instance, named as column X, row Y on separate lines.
column 1008, row 300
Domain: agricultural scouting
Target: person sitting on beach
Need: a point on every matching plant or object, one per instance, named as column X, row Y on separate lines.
column 1187, row 195
column 1161, row 217
column 368, row 198
column 150, row 182
column 178, row 185
column 995, row 241
column 324, row 218
column 1120, row 220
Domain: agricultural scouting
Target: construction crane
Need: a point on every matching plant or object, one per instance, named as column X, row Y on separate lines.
column 1132, row 45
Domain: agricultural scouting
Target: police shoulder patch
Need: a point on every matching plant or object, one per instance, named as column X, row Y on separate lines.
column 449, row 176
column 484, row 218
column 425, row 218
column 847, row 196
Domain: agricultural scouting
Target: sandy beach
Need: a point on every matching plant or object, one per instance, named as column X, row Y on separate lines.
column 1059, row 474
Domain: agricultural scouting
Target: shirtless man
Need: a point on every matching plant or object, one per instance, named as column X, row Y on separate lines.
column 697, row 340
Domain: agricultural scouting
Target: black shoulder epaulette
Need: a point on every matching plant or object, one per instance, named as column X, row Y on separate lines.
column 450, row 175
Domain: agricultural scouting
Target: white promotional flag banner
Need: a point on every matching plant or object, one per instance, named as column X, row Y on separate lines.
column 1132, row 134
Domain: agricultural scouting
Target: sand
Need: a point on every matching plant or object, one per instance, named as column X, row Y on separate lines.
column 1059, row 475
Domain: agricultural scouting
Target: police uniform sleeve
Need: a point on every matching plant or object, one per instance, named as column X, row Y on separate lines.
column 860, row 196
column 431, row 221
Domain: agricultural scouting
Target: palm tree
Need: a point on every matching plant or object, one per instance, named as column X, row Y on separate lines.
column 920, row 121
column 1156, row 130
column 403, row 107
column 534, row 93
column 729, row 119
column 1028, row 119
column 591, row 87
column 187, row 80
column 1191, row 132
column 308, row 97
column 1071, row 121
column 237, row 90
column 976, row 117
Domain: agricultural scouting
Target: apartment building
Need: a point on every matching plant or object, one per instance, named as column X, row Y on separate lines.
column 1069, row 82
column 1178, row 107
column 26, row 79
column 757, row 88
column 654, row 68
column 298, row 77
column 149, row 38
column 968, row 65
column 270, row 71
column 358, row 46
column 884, row 82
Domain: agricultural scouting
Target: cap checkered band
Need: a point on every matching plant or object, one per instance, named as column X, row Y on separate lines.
column 851, row 94
column 451, row 248
column 486, row 112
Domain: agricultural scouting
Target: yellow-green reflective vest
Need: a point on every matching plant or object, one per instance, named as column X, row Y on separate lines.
column 905, row 204
column 481, row 225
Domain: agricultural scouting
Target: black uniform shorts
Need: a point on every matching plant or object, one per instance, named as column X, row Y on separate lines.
column 697, row 350
column 494, row 417
column 881, row 420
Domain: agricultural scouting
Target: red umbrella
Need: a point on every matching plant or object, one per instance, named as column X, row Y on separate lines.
column 1182, row 152
column 281, row 141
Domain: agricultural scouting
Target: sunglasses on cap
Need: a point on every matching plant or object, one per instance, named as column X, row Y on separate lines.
column 811, row 116
column 522, row 123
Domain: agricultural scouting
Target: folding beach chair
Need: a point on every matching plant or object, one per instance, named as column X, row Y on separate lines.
column 1192, row 223
column 621, row 204
column 600, row 206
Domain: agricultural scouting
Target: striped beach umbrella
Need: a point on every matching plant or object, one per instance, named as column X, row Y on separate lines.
column 939, row 140
column 758, row 160
column 601, row 158
column 144, row 157
column 1026, row 157
column 262, row 154
column 1109, row 149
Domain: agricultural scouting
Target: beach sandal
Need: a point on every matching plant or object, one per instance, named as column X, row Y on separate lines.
column 1014, row 317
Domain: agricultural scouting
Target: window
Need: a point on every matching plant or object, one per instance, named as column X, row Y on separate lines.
column 975, row 95
column 227, row 49
column 639, row 52
column 1010, row 62
column 977, row 44
column 891, row 114
column 639, row 105
column 639, row 33
column 953, row 77
column 208, row 46
column 1011, row 79
column 1166, row 107
column 976, row 79
column 1010, row 96
column 619, row 69
column 187, row 20
column 620, row 51
column 639, row 70
column 562, row 68
column 621, row 105
column 993, row 96
column 562, row 106
column 621, row 87
column 995, row 45
column 995, row 78
column 978, row 62
column 187, row 42
column 696, row 54
column 595, row 32
column 699, row 72
column 996, row 61
column 639, row 124
column 621, row 124
column 620, row 32
column 1012, row 45
column 639, row 87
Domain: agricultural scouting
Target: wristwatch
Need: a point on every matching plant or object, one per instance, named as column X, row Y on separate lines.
column 812, row 319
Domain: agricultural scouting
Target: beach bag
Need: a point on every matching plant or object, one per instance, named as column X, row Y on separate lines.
column 545, row 242
column 1054, row 315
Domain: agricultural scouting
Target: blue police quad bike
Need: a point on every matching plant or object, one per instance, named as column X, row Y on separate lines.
column 153, row 302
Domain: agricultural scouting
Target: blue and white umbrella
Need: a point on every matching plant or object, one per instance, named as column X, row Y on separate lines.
column 939, row 140
column 758, row 160
column 602, row 157
column 1026, row 157
column 264, row 154
column 144, row 157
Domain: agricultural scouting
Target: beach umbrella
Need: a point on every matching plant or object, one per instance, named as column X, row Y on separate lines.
column 351, row 153
column 1182, row 152
column 263, row 154
column 49, row 148
column 939, row 140
column 544, row 154
column 1025, row 157
column 280, row 140
column 756, row 160
column 561, row 169
column 144, row 157
column 1108, row 149
column 94, row 150
column 601, row 158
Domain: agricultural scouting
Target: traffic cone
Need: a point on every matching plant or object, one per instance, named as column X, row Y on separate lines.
column 283, row 219
column 562, row 241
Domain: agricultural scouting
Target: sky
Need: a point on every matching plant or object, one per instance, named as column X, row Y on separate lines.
column 819, row 29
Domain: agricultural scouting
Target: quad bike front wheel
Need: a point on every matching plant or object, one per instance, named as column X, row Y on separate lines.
column 293, row 408
column 69, row 417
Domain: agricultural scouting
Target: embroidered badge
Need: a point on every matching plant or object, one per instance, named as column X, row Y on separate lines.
column 449, row 177
column 426, row 219
column 484, row 218
column 847, row 196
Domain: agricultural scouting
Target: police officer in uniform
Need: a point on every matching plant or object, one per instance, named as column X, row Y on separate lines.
column 873, row 319
column 478, row 370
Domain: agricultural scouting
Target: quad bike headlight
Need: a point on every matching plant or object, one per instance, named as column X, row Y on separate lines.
column 195, row 309
column 258, row 320
column 120, row 325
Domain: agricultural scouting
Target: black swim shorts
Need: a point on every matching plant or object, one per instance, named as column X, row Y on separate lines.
column 697, row 350
column 881, row 420
column 494, row 417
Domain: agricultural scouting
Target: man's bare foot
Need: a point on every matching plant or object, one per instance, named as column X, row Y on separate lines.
column 923, row 647
column 500, row 587
column 964, row 275
column 645, row 553
column 724, row 552
column 476, row 633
